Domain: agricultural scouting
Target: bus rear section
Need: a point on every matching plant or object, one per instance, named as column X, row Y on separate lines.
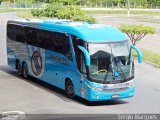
column 40, row 53
column 91, row 61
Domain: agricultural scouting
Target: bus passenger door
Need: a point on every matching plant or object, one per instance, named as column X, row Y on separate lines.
column 82, row 73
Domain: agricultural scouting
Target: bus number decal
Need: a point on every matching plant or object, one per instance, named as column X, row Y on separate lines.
column 36, row 63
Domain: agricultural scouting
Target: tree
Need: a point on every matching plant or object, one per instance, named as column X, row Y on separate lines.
column 137, row 32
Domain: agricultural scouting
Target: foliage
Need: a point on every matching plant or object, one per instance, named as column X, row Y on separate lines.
column 137, row 32
column 138, row 12
column 63, row 12
column 13, row 10
column 137, row 3
column 25, row 14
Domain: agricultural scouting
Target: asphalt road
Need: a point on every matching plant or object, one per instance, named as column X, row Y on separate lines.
column 32, row 96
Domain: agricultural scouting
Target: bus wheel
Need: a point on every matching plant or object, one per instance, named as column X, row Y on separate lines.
column 69, row 89
column 19, row 68
column 24, row 71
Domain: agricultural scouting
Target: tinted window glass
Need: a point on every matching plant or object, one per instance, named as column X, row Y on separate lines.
column 58, row 42
column 20, row 34
column 64, row 45
column 11, row 32
column 31, row 34
column 78, row 54
column 46, row 39
column 16, row 32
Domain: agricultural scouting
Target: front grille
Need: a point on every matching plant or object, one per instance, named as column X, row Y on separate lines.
column 116, row 89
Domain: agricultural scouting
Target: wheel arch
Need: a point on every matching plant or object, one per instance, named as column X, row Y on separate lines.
column 69, row 79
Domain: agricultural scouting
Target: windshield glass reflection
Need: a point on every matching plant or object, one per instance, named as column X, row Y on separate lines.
column 110, row 61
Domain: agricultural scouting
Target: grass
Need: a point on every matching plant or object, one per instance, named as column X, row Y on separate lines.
column 25, row 14
column 150, row 56
column 137, row 12
column 122, row 12
column 13, row 10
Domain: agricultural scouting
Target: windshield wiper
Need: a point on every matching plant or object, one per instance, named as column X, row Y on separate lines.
column 122, row 72
column 113, row 67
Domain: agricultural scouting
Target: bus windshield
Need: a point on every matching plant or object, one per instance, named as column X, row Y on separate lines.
column 110, row 62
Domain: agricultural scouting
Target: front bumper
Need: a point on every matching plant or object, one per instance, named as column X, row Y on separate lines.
column 101, row 96
column 101, row 92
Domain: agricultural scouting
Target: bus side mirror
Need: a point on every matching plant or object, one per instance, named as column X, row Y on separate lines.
column 140, row 57
column 86, row 55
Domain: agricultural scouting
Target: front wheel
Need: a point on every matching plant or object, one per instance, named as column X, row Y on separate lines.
column 69, row 89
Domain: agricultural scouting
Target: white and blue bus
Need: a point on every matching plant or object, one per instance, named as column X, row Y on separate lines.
column 92, row 61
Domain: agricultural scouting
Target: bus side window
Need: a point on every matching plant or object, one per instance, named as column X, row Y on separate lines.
column 20, row 34
column 16, row 33
column 82, row 64
column 79, row 55
column 64, row 45
column 47, row 40
column 42, row 39
column 31, row 36
column 11, row 32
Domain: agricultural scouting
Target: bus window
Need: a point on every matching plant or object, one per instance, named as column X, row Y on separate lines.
column 54, row 41
column 16, row 32
column 31, row 36
column 11, row 32
column 46, row 39
column 64, row 45
column 20, row 34
column 79, row 55
column 82, row 66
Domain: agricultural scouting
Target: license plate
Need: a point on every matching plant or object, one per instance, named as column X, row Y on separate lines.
column 115, row 96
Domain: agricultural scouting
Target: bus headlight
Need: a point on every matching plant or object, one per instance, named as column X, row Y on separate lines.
column 94, row 88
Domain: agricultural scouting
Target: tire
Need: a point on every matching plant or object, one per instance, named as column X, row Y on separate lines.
column 19, row 68
column 24, row 71
column 69, row 89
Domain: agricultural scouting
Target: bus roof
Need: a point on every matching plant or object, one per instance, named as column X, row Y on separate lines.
column 85, row 31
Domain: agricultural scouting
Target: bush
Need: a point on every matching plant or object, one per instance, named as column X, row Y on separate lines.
column 63, row 12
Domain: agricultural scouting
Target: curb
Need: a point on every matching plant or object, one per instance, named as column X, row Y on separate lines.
column 155, row 65
column 148, row 62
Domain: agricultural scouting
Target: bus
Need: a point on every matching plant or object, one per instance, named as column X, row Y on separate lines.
column 91, row 61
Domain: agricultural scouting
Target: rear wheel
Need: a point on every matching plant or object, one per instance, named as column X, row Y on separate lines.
column 24, row 71
column 69, row 89
column 19, row 68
